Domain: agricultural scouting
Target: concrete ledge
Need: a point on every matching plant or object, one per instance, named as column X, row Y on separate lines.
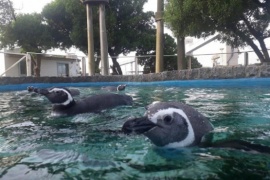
column 194, row 74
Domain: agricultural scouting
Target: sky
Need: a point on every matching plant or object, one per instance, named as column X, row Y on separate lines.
column 29, row 6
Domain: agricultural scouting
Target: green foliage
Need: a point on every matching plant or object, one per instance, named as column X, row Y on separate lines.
column 194, row 63
column 6, row 12
column 67, row 20
column 126, row 25
column 239, row 22
column 29, row 32
column 148, row 59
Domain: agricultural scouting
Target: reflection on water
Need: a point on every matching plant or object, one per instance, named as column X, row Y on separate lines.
column 34, row 145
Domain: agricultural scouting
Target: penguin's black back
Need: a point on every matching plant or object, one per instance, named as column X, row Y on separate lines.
column 94, row 103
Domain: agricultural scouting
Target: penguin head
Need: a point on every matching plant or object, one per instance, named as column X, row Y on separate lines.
column 121, row 87
column 170, row 124
column 57, row 96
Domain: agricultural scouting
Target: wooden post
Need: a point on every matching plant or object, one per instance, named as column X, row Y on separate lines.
column 246, row 58
column 90, row 39
column 189, row 62
column 136, row 66
column 103, row 41
column 28, row 65
column 103, row 36
column 180, row 52
column 159, row 36
column 83, row 67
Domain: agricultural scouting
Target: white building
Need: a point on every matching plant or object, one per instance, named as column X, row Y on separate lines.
column 213, row 53
column 228, row 56
column 51, row 65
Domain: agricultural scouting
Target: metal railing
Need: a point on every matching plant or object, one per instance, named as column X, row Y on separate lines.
column 131, row 67
column 130, row 64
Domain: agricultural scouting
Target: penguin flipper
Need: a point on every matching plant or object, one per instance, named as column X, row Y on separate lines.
column 241, row 145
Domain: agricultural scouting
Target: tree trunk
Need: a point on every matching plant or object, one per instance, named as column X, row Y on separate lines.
column 251, row 44
column 264, row 55
column 181, row 53
column 264, row 50
column 36, row 60
column 257, row 51
column 116, row 67
column 97, row 62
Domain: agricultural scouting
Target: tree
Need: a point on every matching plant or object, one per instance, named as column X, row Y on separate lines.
column 239, row 22
column 7, row 13
column 67, row 20
column 127, row 26
column 30, row 33
column 125, row 21
column 147, row 51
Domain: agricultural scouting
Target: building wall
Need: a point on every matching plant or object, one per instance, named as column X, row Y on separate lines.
column 2, row 63
column 49, row 67
column 215, row 49
column 211, row 49
column 74, row 69
column 9, row 61
column 231, row 56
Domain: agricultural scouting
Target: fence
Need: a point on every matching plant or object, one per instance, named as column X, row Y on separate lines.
column 130, row 65
column 134, row 65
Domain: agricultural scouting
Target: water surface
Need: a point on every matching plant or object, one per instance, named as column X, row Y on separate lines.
column 34, row 145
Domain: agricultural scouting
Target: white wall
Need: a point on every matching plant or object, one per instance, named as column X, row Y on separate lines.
column 210, row 49
column 49, row 67
column 2, row 63
column 231, row 56
column 215, row 46
column 9, row 61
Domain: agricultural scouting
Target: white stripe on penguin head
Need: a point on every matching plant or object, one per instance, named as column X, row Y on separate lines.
column 69, row 100
column 190, row 137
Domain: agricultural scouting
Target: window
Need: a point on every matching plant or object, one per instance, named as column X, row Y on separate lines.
column 62, row 69
column 22, row 68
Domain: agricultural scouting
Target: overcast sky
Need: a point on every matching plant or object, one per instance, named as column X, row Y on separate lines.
column 29, row 6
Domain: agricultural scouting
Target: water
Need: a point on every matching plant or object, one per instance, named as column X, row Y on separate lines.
column 34, row 145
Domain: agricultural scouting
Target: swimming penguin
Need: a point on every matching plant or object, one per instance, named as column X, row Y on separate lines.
column 170, row 124
column 120, row 87
column 64, row 104
column 175, row 125
column 73, row 91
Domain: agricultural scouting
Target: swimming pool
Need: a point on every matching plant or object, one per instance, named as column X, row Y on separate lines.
column 35, row 145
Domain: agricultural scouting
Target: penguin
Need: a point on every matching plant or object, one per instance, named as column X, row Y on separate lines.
column 177, row 125
column 170, row 124
column 63, row 103
column 120, row 87
column 73, row 91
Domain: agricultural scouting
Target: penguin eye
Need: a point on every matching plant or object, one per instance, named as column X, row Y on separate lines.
column 57, row 92
column 168, row 119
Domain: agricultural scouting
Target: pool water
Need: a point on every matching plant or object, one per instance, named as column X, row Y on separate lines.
column 34, row 145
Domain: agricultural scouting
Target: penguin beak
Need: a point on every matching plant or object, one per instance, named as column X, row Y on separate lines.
column 138, row 125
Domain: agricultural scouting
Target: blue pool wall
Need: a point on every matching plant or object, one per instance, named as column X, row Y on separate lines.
column 243, row 82
column 246, row 76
